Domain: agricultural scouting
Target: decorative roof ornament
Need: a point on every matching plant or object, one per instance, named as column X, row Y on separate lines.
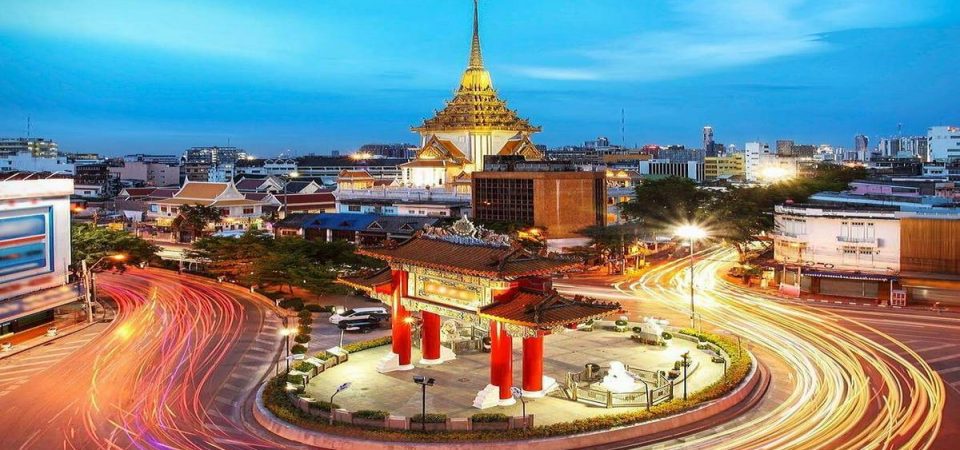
column 464, row 232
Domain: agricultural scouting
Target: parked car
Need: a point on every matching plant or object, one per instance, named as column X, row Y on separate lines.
column 359, row 325
column 378, row 312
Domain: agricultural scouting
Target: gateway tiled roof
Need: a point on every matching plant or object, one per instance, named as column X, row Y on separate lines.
column 479, row 260
column 546, row 309
column 369, row 281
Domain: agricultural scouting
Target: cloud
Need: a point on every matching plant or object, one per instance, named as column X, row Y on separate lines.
column 707, row 36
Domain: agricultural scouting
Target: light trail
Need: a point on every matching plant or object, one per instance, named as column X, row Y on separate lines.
column 153, row 378
column 850, row 391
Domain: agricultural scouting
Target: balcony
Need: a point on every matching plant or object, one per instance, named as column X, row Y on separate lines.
column 790, row 236
column 858, row 241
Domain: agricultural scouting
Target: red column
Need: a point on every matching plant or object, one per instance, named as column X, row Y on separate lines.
column 495, row 365
column 430, row 336
column 400, row 325
column 533, row 363
column 506, row 368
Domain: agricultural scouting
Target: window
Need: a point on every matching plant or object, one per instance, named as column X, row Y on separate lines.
column 248, row 210
column 353, row 208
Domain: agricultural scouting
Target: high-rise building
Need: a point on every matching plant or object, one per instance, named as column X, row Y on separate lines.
column 708, row 141
column 785, row 147
column 944, row 142
column 754, row 153
column 861, row 144
column 39, row 147
column 214, row 155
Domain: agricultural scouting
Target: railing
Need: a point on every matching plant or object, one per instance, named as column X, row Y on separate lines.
column 657, row 388
column 403, row 193
column 857, row 240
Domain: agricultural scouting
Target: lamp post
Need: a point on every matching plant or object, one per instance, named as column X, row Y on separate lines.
column 423, row 382
column 518, row 394
column 285, row 332
column 691, row 233
column 89, row 287
column 340, row 389
column 686, row 358
column 291, row 176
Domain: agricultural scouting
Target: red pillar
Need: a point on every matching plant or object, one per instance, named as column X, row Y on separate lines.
column 430, row 336
column 400, row 324
column 506, row 356
column 495, row 365
column 533, row 363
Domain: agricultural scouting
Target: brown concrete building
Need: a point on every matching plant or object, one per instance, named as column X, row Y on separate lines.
column 551, row 195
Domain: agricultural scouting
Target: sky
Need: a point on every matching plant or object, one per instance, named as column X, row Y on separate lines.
column 120, row 76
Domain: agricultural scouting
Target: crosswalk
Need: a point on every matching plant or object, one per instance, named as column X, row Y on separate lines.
column 17, row 370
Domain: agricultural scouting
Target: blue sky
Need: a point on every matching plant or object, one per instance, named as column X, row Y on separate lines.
column 118, row 77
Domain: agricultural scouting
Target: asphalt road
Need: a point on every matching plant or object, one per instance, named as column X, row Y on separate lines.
column 176, row 369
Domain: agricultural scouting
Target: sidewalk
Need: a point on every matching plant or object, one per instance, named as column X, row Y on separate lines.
column 38, row 336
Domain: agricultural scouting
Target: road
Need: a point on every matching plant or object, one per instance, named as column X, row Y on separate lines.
column 175, row 369
column 841, row 379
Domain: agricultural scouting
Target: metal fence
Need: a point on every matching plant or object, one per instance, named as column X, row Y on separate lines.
column 579, row 387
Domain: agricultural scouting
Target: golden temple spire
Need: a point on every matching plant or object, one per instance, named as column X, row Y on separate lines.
column 476, row 59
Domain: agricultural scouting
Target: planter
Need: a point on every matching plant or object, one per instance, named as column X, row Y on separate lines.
column 489, row 425
column 442, row 426
column 372, row 423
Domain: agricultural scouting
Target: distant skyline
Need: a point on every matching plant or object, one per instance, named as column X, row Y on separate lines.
column 112, row 77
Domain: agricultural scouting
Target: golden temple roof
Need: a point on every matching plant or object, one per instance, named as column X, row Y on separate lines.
column 475, row 105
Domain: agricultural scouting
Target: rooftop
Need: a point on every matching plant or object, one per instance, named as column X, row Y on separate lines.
column 532, row 308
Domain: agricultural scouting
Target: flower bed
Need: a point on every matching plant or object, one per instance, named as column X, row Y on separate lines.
column 280, row 404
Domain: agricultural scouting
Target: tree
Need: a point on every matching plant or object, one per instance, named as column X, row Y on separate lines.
column 232, row 257
column 195, row 219
column 663, row 203
column 91, row 243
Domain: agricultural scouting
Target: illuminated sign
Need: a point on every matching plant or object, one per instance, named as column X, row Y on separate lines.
column 25, row 245
column 448, row 291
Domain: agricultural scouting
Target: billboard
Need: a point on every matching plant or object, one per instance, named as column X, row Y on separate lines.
column 25, row 244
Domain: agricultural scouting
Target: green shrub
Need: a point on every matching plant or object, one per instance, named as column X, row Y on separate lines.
column 364, row 345
column 295, row 304
column 325, row 406
column 637, row 330
column 298, row 349
column 489, row 417
column 373, row 414
column 621, row 323
column 304, row 314
column 272, row 295
column 295, row 378
column 313, row 307
column 429, row 418
column 666, row 335
column 304, row 329
column 302, row 338
column 304, row 366
column 305, row 321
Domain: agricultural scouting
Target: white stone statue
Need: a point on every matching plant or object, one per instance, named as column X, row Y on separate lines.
column 618, row 380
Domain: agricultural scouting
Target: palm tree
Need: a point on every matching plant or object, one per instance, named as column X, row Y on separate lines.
column 195, row 219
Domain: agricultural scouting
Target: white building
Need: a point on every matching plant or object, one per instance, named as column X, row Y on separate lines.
column 944, row 142
column 754, row 153
column 837, row 237
column 25, row 161
column 237, row 212
column 35, row 248
column 693, row 170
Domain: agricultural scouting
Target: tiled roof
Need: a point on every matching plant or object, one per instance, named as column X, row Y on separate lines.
column 306, row 199
column 203, row 190
column 369, row 281
column 238, row 202
column 295, row 220
column 355, row 175
column 546, row 309
column 250, row 184
column 341, row 222
column 401, row 224
column 259, row 196
column 295, row 187
column 479, row 260
column 426, row 163
column 163, row 193
column 139, row 192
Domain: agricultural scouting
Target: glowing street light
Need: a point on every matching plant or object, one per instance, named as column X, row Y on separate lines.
column 774, row 174
column 88, row 282
column 691, row 233
column 423, row 382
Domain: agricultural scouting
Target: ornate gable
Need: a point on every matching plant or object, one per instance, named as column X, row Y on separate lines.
column 523, row 146
column 441, row 150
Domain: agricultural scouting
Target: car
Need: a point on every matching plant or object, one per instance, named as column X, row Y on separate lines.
column 377, row 312
column 359, row 325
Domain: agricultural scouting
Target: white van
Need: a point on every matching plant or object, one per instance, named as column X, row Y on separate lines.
column 377, row 312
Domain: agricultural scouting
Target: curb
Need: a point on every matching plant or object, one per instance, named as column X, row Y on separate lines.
column 615, row 436
column 76, row 329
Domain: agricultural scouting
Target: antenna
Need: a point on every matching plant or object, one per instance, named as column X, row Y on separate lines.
column 623, row 139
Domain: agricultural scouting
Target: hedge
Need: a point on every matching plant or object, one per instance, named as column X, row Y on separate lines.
column 298, row 349
column 276, row 401
column 302, row 338
column 304, row 366
column 489, row 417
column 429, row 418
column 374, row 414
column 304, row 314
column 313, row 307
column 304, row 329
column 305, row 321
column 295, row 304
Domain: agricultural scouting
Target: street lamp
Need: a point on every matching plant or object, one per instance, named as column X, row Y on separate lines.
column 340, row 389
column 286, row 332
column 291, row 175
column 518, row 394
column 423, row 382
column 691, row 233
column 89, row 287
column 686, row 359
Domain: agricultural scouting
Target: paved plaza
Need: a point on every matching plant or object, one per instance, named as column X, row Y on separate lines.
column 458, row 381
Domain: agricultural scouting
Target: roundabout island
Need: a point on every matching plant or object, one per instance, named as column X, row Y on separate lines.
column 465, row 304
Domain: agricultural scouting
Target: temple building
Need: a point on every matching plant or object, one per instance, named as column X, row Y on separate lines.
column 474, row 124
column 467, row 278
